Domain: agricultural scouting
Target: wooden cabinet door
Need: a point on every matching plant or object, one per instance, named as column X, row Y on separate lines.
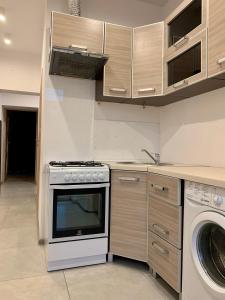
column 117, row 72
column 84, row 33
column 148, row 60
column 216, row 37
column 128, row 230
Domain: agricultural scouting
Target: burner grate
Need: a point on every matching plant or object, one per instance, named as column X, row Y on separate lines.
column 76, row 164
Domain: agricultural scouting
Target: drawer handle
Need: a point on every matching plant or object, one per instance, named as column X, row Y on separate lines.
column 180, row 83
column 78, row 47
column 159, row 187
column 160, row 230
column 118, row 90
column 221, row 61
column 160, row 249
column 146, row 90
column 181, row 41
column 129, row 179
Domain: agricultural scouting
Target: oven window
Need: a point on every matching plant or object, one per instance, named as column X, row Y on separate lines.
column 78, row 212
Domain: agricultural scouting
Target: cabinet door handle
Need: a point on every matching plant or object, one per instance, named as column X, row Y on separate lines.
column 160, row 230
column 160, row 249
column 146, row 90
column 118, row 90
column 221, row 61
column 181, row 41
column 159, row 187
column 180, row 83
column 78, row 47
column 129, row 179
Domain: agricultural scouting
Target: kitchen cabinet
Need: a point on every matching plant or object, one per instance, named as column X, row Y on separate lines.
column 165, row 228
column 186, row 21
column 117, row 72
column 148, row 60
column 216, row 38
column 83, row 33
column 187, row 66
column 128, row 228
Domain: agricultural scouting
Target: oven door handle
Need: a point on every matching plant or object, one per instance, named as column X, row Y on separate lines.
column 78, row 186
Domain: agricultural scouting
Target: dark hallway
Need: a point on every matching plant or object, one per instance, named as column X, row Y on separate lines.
column 21, row 139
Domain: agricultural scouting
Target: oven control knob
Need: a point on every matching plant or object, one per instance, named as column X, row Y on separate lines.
column 218, row 200
column 95, row 176
column 101, row 176
column 67, row 177
column 81, row 177
column 74, row 177
column 88, row 177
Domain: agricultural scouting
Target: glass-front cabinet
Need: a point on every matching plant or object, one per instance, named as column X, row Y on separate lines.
column 187, row 66
column 187, row 21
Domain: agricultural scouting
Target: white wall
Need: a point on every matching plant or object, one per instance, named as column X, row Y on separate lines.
column 20, row 71
column 192, row 131
column 18, row 100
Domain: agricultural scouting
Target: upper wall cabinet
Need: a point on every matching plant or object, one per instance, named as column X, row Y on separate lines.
column 78, row 32
column 187, row 66
column 184, row 23
column 148, row 60
column 216, row 40
column 117, row 72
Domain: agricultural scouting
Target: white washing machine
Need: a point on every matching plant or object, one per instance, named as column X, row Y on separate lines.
column 204, row 243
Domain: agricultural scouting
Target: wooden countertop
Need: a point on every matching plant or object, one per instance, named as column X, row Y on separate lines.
column 201, row 174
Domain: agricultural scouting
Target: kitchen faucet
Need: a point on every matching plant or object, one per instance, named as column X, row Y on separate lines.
column 156, row 159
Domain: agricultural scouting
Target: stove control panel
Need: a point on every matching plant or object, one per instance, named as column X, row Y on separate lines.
column 205, row 194
column 78, row 175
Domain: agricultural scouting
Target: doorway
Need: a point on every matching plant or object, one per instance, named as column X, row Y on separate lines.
column 20, row 143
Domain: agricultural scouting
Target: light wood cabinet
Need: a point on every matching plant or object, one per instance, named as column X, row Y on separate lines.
column 165, row 228
column 117, row 72
column 187, row 66
column 148, row 60
column 184, row 23
column 128, row 228
column 165, row 260
column 216, row 38
column 81, row 32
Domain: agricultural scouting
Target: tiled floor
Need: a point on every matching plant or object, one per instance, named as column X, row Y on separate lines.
column 23, row 274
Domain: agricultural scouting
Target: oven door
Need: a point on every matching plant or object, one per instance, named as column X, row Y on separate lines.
column 78, row 212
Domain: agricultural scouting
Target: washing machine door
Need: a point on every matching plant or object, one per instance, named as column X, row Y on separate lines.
column 208, row 249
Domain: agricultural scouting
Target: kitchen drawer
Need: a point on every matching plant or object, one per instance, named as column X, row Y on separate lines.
column 165, row 220
column 165, row 260
column 165, row 188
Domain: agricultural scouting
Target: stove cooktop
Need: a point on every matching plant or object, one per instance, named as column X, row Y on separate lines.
column 75, row 164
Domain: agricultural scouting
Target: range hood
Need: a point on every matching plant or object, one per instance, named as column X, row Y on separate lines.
column 74, row 62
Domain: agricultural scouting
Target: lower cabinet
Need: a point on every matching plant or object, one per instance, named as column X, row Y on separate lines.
column 165, row 228
column 128, row 225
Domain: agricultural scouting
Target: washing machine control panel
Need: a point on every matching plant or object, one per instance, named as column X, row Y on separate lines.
column 205, row 194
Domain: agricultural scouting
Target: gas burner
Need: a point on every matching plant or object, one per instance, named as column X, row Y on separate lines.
column 75, row 164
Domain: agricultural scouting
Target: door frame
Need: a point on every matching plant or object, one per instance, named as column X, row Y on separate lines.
column 4, row 144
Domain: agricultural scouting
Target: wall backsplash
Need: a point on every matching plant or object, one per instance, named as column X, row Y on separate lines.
column 192, row 131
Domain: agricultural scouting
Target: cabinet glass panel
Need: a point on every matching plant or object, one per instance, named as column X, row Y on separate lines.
column 185, row 65
column 185, row 22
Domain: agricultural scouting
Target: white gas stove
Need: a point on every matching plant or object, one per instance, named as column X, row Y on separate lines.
column 78, row 214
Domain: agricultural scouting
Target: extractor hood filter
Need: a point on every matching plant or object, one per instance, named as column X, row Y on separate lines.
column 70, row 63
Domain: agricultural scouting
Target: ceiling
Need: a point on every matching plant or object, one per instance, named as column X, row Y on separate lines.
column 156, row 2
column 25, row 19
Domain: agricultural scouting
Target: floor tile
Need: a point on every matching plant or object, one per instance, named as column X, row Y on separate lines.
column 111, row 281
column 14, row 219
column 21, row 262
column 48, row 287
column 18, row 237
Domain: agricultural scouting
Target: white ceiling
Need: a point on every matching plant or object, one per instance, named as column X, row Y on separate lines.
column 25, row 19
column 156, row 2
